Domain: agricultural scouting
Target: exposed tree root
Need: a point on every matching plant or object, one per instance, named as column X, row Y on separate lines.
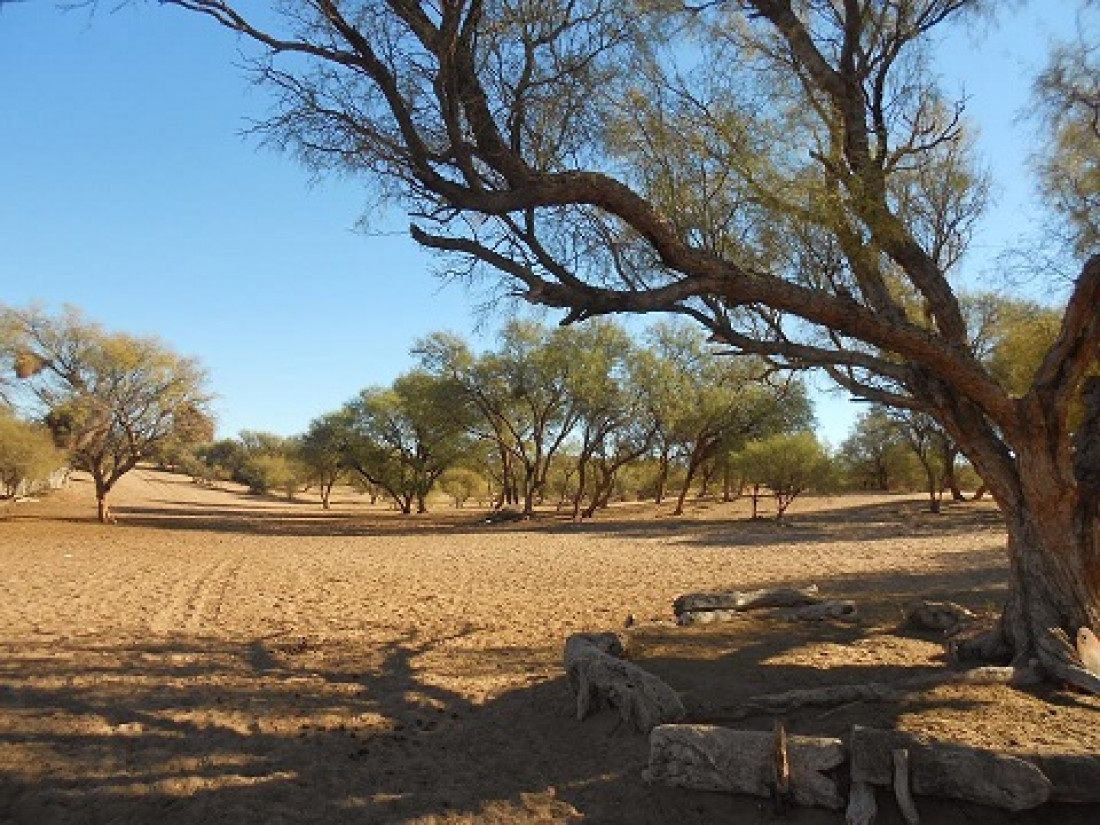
column 1052, row 654
column 1058, row 658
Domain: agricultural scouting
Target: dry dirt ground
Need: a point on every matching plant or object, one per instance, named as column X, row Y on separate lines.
column 218, row 658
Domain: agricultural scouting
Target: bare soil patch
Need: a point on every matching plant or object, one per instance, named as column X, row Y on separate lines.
column 218, row 658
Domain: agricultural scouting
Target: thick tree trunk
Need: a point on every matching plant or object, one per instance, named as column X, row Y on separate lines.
column 1054, row 587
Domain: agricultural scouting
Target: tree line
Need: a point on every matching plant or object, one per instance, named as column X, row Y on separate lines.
column 563, row 415
column 577, row 417
column 573, row 416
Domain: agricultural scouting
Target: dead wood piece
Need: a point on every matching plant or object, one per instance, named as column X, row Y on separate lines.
column 944, row 617
column 709, row 758
column 691, row 617
column 902, row 792
column 862, row 808
column 954, row 771
column 598, row 677
column 838, row 610
column 746, row 599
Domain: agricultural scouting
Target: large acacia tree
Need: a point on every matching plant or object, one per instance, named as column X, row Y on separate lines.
column 110, row 399
column 785, row 172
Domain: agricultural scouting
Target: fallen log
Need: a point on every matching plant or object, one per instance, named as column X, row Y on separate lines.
column 599, row 677
column 709, row 758
column 838, row 610
column 745, row 599
column 691, row 617
column 953, row 771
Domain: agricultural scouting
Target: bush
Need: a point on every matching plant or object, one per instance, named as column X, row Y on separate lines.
column 27, row 454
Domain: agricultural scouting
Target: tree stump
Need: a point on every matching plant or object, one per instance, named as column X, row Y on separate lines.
column 709, row 758
column 599, row 677
column 953, row 771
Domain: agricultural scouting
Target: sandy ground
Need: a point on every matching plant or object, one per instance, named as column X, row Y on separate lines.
column 218, row 658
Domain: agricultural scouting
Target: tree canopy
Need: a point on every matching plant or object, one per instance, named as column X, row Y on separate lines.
column 110, row 399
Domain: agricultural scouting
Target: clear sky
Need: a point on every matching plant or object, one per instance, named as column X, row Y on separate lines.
column 127, row 189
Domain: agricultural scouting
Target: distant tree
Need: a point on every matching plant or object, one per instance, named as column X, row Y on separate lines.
column 280, row 471
column 223, row 459
column 323, row 450
column 404, row 438
column 932, row 448
column 110, row 399
column 711, row 403
column 523, row 392
column 27, row 453
column 461, row 484
column 787, row 464
column 876, row 456
column 264, row 462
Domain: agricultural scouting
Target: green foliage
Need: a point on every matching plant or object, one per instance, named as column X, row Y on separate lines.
column 1012, row 336
column 323, row 448
column 1069, row 165
column 111, row 399
column 194, row 427
column 404, row 438
column 269, row 471
column 27, row 453
column 462, row 484
column 877, row 456
column 787, row 464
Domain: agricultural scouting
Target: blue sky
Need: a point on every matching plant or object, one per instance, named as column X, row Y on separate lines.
column 127, row 189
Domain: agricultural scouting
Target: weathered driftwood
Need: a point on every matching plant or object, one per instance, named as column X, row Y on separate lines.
column 841, row 610
column 862, row 807
column 902, row 792
column 599, row 677
column 707, row 616
column 947, row 618
column 745, row 599
column 708, row 758
column 954, row 771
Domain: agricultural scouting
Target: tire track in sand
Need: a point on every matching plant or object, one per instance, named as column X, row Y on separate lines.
column 194, row 602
